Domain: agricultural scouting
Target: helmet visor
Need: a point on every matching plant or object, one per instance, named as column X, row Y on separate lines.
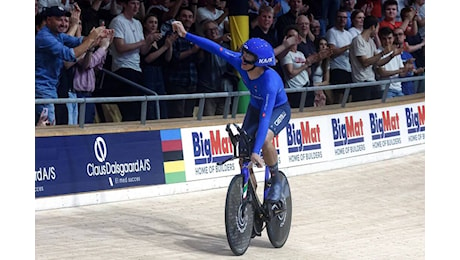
column 248, row 57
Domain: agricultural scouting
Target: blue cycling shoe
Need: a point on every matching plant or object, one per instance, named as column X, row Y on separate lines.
column 274, row 194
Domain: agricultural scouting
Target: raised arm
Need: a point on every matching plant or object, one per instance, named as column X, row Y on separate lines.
column 282, row 49
column 230, row 56
column 88, row 41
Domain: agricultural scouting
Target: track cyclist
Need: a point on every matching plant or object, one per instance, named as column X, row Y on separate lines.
column 268, row 110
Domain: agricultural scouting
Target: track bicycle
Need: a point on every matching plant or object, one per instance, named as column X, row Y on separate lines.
column 245, row 215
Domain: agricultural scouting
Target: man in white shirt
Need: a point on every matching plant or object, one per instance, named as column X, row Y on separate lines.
column 128, row 42
column 339, row 41
column 364, row 56
column 295, row 72
column 395, row 66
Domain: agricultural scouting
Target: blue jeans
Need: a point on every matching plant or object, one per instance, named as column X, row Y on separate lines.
column 72, row 109
column 394, row 93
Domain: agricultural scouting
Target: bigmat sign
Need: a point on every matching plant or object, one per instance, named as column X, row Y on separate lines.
column 311, row 140
column 82, row 163
column 203, row 148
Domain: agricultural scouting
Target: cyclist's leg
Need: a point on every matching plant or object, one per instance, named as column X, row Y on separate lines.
column 269, row 150
column 278, row 122
column 271, row 160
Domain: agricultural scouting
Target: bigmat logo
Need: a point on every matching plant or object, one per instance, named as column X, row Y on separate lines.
column 385, row 129
column 348, row 132
column 303, row 141
column 305, row 138
column 211, row 148
column 348, row 135
column 385, row 126
column 415, row 121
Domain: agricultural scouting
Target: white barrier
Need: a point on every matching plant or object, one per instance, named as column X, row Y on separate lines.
column 307, row 145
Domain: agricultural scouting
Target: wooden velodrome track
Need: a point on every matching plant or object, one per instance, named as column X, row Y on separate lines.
column 372, row 211
column 376, row 211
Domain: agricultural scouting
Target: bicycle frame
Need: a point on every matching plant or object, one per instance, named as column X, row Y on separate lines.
column 246, row 175
column 246, row 165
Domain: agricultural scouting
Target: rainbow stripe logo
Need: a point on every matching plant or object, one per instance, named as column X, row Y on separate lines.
column 173, row 157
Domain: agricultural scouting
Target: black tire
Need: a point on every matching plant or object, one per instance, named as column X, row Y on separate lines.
column 280, row 215
column 239, row 217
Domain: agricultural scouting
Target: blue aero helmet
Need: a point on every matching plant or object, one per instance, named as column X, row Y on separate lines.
column 262, row 50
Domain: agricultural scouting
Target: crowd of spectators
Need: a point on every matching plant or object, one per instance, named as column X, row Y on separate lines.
column 316, row 43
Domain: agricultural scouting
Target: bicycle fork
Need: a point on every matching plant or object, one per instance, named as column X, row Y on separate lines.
column 246, row 176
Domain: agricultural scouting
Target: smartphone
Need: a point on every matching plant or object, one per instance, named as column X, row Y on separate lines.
column 44, row 116
column 44, row 113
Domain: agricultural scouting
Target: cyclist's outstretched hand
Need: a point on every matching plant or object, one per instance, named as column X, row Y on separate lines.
column 255, row 159
column 178, row 27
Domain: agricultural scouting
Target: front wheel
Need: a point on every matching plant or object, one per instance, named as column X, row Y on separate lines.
column 239, row 217
column 280, row 214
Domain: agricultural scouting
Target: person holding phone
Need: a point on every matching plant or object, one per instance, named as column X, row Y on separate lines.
column 52, row 48
column 152, row 64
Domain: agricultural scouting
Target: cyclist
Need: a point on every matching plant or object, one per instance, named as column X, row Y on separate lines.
column 268, row 110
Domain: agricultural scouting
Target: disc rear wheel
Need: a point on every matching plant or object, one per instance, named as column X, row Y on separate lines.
column 280, row 214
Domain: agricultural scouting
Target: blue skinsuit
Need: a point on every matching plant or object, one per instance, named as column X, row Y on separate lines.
column 267, row 91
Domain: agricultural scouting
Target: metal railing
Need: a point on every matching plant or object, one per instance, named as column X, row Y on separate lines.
column 231, row 98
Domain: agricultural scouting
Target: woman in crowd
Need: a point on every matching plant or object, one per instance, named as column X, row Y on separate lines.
column 357, row 20
column 320, row 75
column 84, row 81
column 153, row 62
